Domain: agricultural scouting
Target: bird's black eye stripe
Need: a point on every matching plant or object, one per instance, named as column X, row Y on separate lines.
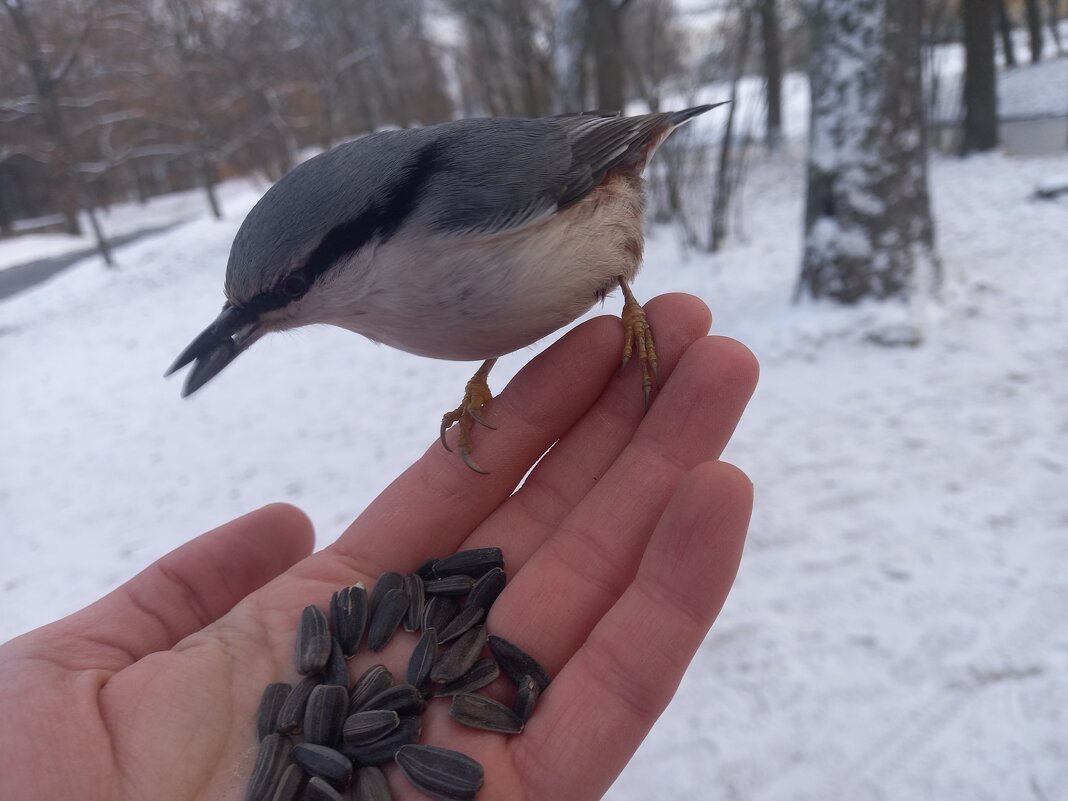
column 343, row 240
column 380, row 221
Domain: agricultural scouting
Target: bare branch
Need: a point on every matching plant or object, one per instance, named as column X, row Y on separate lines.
column 61, row 72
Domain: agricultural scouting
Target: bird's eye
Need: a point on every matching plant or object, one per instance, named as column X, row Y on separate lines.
column 294, row 286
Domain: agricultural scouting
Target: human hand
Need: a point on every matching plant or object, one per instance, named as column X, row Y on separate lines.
column 620, row 549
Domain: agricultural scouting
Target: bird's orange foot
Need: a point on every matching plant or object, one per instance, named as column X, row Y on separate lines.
column 638, row 336
column 476, row 395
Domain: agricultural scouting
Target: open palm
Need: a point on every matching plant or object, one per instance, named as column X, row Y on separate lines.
column 620, row 547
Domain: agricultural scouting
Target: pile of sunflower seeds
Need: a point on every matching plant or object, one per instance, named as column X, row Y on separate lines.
column 321, row 736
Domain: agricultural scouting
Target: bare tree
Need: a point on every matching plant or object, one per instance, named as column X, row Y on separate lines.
column 506, row 62
column 604, row 26
column 46, row 80
column 980, row 78
column 182, row 27
column 724, row 184
column 568, row 56
column 1054, row 20
column 868, row 226
column 771, row 48
column 655, row 48
column 1034, row 28
column 1005, row 27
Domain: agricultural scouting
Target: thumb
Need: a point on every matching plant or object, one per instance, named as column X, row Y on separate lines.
column 187, row 589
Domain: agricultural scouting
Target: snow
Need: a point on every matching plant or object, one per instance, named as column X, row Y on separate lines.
column 896, row 630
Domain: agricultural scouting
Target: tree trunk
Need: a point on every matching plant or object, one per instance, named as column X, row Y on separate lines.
column 1054, row 21
column 567, row 56
column 980, row 78
column 71, row 191
column 48, row 96
column 769, row 34
column 102, row 243
column 7, row 215
column 206, row 171
column 1034, row 28
column 604, row 19
column 1005, row 26
column 722, row 199
column 868, row 227
column 203, row 163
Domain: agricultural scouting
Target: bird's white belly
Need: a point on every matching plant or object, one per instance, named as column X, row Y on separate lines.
column 477, row 298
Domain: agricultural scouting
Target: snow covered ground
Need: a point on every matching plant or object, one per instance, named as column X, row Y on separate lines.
column 898, row 627
column 120, row 219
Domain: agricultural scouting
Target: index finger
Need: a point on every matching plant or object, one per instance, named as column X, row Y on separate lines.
column 435, row 504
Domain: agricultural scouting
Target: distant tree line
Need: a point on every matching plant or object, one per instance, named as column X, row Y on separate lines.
column 108, row 100
column 102, row 100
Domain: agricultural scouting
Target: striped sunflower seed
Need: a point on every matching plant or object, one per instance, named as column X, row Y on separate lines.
column 337, row 669
column 439, row 612
column 413, row 588
column 517, row 663
column 320, row 790
column 526, row 698
column 386, row 582
column 373, row 681
column 422, row 659
column 480, row 712
column 474, row 562
column 291, row 785
column 426, row 570
column 383, row 750
column 324, row 762
column 384, row 620
column 370, row 785
column 484, row 673
column 370, row 725
column 348, row 611
column 271, row 702
column 451, row 585
column 440, row 773
column 486, row 589
column 291, row 715
column 460, row 656
column 312, row 647
column 404, row 699
column 270, row 764
column 469, row 617
column 325, row 714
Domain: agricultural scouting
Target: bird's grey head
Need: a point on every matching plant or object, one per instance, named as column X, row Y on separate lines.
column 306, row 227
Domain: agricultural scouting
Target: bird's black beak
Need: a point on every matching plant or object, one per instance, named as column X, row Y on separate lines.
column 216, row 346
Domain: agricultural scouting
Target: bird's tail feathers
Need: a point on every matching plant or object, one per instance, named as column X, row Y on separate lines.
column 679, row 117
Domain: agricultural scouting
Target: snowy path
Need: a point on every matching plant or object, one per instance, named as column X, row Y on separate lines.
column 898, row 629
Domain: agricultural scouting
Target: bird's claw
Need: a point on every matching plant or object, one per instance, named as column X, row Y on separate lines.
column 478, row 419
column 446, row 423
column 638, row 336
column 466, row 456
column 476, row 395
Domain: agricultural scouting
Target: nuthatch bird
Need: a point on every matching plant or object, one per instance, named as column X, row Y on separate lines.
column 465, row 241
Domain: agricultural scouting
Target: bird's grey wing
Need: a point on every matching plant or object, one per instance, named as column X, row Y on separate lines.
column 502, row 175
column 600, row 143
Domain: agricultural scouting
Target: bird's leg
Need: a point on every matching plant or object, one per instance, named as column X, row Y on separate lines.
column 637, row 335
column 466, row 414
